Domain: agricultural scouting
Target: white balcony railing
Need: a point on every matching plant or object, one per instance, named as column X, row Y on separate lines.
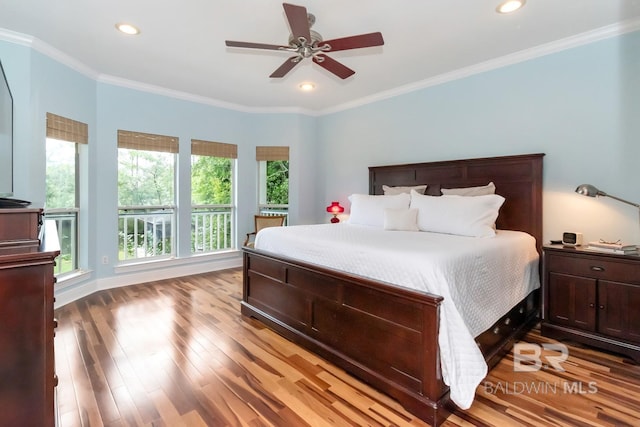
column 146, row 232
column 67, row 225
column 275, row 210
column 211, row 228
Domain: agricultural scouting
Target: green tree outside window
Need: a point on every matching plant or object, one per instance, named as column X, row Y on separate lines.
column 278, row 182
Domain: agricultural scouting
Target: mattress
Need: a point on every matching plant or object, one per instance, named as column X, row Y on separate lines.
column 481, row 279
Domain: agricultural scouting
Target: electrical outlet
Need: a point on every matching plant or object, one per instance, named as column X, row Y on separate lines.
column 105, row 259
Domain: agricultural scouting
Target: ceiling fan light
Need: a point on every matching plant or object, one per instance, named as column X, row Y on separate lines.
column 510, row 6
column 307, row 86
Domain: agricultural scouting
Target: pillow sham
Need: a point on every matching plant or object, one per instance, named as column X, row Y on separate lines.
column 460, row 215
column 390, row 191
column 401, row 219
column 481, row 190
column 369, row 210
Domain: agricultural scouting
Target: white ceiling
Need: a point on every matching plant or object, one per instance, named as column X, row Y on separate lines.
column 181, row 47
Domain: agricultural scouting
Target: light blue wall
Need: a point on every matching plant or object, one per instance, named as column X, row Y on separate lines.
column 40, row 85
column 299, row 133
column 16, row 61
column 581, row 107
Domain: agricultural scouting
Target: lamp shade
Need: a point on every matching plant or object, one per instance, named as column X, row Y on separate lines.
column 589, row 190
column 335, row 208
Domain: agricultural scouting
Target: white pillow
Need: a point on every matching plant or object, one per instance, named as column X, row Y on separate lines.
column 390, row 191
column 463, row 216
column 369, row 210
column 401, row 219
column 490, row 188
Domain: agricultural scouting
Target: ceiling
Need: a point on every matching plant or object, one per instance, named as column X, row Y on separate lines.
column 181, row 47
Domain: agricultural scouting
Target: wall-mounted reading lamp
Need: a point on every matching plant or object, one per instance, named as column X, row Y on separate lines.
column 591, row 191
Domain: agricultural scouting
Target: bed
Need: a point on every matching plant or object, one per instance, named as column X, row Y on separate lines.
column 325, row 309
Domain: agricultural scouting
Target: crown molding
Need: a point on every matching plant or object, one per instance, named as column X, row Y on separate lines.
column 67, row 60
column 185, row 96
column 47, row 50
column 15, row 38
column 511, row 59
column 61, row 57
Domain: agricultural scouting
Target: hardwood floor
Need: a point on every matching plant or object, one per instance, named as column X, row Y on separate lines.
column 178, row 353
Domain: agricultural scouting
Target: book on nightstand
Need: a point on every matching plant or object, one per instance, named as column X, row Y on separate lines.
column 614, row 248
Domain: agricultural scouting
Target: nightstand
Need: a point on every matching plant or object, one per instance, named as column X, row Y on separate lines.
column 592, row 298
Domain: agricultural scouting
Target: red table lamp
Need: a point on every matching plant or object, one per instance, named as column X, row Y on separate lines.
column 335, row 209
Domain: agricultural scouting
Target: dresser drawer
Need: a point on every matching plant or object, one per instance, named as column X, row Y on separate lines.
column 19, row 224
column 598, row 267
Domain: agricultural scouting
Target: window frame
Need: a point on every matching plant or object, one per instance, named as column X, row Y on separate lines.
column 149, row 217
column 74, row 132
column 218, row 150
column 265, row 154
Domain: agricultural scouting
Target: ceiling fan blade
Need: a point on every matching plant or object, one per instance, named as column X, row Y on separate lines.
column 355, row 42
column 231, row 43
column 285, row 67
column 298, row 21
column 333, row 66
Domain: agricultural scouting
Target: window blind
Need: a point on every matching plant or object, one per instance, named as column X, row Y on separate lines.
column 65, row 129
column 272, row 153
column 214, row 149
column 147, row 141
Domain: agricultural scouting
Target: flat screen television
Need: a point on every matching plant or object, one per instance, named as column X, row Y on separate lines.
column 6, row 137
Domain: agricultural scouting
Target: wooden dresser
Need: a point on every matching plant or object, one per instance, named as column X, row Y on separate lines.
column 27, row 365
column 592, row 298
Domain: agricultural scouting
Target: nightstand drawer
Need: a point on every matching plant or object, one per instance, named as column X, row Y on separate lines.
column 598, row 267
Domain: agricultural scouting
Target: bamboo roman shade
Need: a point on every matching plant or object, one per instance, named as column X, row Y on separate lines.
column 272, row 153
column 64, row 129
column 213, row 149
column 147, row 141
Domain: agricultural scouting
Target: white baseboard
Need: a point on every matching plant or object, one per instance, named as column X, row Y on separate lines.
column 72, row 293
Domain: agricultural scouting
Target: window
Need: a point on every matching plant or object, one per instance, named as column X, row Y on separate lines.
column 212, row 195
column 273, row 178
column 146, row 201
column 65, row 137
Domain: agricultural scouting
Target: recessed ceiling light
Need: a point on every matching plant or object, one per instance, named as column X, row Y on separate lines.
column 307, row 86
column 510, row 6
column 132, row 30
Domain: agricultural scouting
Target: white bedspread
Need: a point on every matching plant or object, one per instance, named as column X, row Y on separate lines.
column 481, row 279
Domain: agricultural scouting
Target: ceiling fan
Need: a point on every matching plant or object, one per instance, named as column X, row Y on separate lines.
column 306, row 43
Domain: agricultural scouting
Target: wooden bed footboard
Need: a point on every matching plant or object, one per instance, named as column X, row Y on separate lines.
column 382, row 334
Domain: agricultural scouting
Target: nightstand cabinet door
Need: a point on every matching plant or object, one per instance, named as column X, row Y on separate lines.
column 572, row 301
column 614, row 316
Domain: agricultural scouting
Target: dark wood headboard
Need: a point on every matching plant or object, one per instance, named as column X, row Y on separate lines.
column 517, row 178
